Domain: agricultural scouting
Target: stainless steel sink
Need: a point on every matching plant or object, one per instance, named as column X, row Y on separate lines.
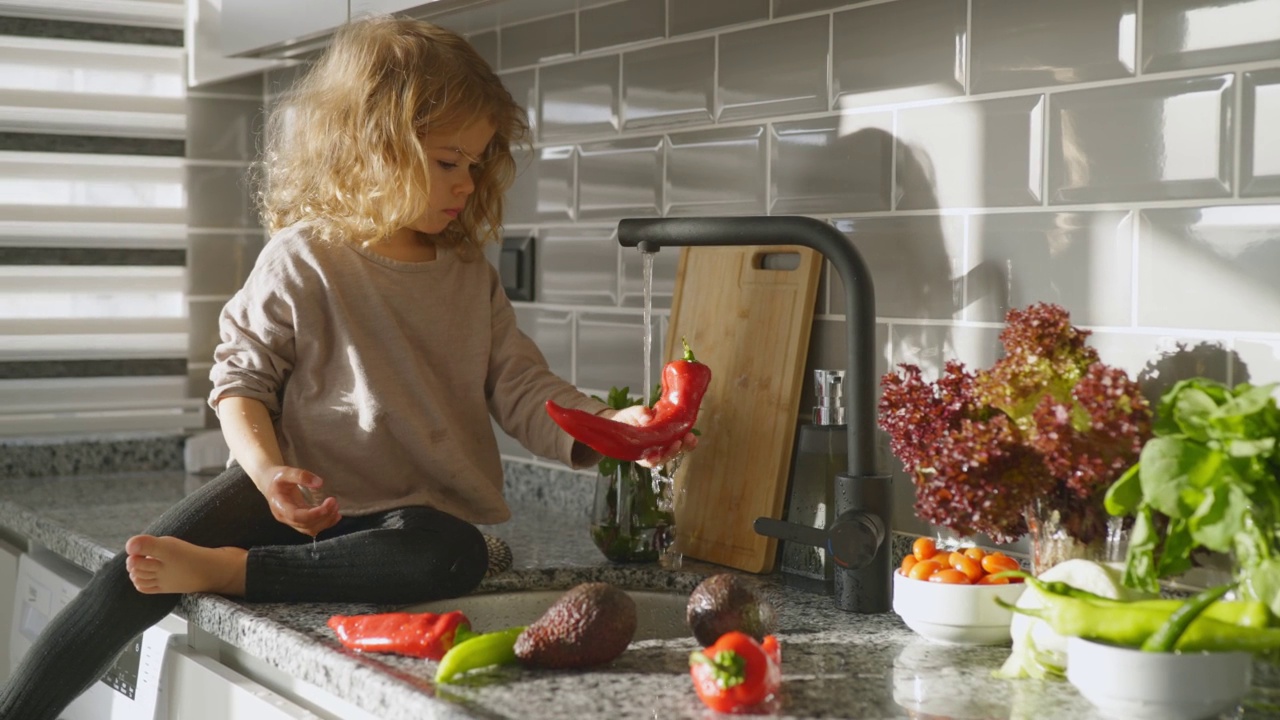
column 659, row 615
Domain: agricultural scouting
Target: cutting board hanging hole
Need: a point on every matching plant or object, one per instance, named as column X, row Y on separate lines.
column 776, row 261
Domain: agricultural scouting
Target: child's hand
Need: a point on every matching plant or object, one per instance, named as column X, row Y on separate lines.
column 290, row 502
column 639, row 416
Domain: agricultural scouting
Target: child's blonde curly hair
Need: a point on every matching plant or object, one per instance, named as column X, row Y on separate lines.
column 345, row 148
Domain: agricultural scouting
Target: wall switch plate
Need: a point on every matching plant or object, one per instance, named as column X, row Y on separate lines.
column 515, row 267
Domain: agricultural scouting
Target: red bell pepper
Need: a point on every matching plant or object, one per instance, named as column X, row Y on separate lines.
column 684, row 382
column 420, row 635
column 736, row 673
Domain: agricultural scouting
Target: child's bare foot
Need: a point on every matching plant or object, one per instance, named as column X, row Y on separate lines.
column 159, row 565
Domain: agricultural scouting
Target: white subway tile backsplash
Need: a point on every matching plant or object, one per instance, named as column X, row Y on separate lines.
column 579, row 98
column 716, row 172
column 898, row 51
column 486, row 43
column 670, row 84
column 982, row 153
column 538, row 41
column 1210, row 268
column 1180, row 34
column 1260, row 133
column 621, row 22
column 1020, row 44
column 552, row 331
column 1158, row 360
column 1160, row 140
column 774, row 70
column 620, row 178
column 916, row 265
column 919, row 126
column 818, row 166
column 663, row 280
column 544, row 186
column 930, row 346
column 523, row 86
column 782, row 8
column 1081, row 261
column 1255, row 361
column 611, row 352
column 577, row 265
column 509, row 12
column 687, row 17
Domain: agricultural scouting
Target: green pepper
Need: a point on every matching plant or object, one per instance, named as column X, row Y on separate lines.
column 1129, row 624
column 1246, row 613
column 1167, row 635
column 479, row 651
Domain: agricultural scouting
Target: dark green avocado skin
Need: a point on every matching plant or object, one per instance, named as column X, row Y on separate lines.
column 589, row 625
column 727, row 602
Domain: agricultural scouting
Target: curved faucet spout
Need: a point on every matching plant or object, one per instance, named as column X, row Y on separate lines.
column 860, row 490
column 860, row 310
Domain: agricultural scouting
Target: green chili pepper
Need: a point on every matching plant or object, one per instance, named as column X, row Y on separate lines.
column 480, row 651
column 1167, row 635
column 1130, row 624
column 1054, row 587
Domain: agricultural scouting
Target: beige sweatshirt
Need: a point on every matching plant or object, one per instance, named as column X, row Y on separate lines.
column 381, row 375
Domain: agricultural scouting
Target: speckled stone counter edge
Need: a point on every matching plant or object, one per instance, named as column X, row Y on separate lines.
column 90, row 454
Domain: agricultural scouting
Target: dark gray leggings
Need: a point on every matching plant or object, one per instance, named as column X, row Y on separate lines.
column 402, row 556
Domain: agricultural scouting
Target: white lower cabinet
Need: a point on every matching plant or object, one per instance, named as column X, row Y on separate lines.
column 8, row 579
column 201, row 689
column 173, row 671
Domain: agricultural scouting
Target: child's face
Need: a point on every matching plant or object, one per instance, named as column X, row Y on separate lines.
column 451, row 162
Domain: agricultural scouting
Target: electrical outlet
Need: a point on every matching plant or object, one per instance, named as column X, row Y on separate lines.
column 515, row 267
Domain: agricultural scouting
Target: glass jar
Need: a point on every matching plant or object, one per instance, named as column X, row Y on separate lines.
column 1052, row 541
column 633, row 515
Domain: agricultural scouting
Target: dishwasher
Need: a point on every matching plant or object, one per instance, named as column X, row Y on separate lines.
column 157, row 677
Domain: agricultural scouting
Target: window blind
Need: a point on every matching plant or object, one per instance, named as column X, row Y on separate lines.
column 93, row 320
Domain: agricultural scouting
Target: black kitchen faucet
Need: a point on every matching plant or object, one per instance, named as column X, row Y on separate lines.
column 859, row 539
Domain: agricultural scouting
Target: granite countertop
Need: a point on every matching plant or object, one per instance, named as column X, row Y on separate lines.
column 835, row 664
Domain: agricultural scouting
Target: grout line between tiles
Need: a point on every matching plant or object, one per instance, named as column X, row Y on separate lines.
column 1138, row 15
column 968, row 49
column 1046, row 137
column 1135, row 238
column 893, row 162
column 1180, row 204
column 1237, row 131
column 966, row 258
column 561, row 139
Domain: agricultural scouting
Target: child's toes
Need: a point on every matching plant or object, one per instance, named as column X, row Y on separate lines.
column 144, row 566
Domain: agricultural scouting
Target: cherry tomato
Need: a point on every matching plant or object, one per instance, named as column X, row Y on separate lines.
column 924, row 548
column 992, row 580
column 924, row 569
column 997, row 562
column 908, row 562
column 950, row 576
column 966, row 565
column 975, row 553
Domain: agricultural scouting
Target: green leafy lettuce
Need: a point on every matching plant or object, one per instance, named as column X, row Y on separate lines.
column 1208, row 479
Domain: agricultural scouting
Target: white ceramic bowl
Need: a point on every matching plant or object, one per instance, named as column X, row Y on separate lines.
column 955, row 614
column 1134, row 685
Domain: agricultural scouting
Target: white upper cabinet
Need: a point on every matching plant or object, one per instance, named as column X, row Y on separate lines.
column 278, row 28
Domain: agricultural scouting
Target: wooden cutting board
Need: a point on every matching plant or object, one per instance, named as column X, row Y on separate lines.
column 750, row 323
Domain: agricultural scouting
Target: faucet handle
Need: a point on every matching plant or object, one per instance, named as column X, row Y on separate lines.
column 852, row 539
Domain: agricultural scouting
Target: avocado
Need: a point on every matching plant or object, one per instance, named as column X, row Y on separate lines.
column 726, row 602
column 590, row 624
